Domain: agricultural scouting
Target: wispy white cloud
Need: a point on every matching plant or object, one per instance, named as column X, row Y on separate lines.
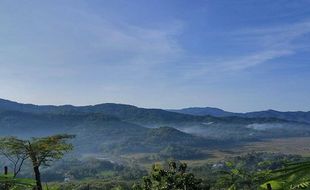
column 252, row 60
column 275, row 36
column 269, row 43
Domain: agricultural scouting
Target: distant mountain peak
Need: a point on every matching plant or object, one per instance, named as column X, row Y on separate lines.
column 202, row 111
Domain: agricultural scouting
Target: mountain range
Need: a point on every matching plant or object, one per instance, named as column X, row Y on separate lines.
column 121, row 129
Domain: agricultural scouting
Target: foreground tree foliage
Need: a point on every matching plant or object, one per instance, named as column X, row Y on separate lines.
column 235, row 178
column 174, row 177
column 294, row 176
column 40, row 151
column 250, row 171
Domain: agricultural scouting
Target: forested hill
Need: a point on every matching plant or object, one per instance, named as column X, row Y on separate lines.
column 95, row 132
column 133, row 114
column 122, row 111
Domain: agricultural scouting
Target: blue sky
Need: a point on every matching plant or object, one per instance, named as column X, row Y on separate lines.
column 237, row 55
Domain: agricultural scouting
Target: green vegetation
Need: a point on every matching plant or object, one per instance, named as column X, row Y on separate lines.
column 248, row 172
column 292, row 176
column 10, row 182
column 173, row 177
column 40, row 151
column 91, row 168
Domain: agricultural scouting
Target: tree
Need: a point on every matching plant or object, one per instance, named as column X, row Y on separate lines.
column 13, row 149
column 40, row 151
column 173, row 178
column 235, row 177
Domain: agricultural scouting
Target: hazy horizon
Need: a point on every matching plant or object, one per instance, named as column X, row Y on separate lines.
column 168, row 108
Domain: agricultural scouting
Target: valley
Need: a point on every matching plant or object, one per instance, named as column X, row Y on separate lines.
column 123, row 129
column 124, row 141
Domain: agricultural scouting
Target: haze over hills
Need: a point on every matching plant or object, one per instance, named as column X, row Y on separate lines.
column 120, row 129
